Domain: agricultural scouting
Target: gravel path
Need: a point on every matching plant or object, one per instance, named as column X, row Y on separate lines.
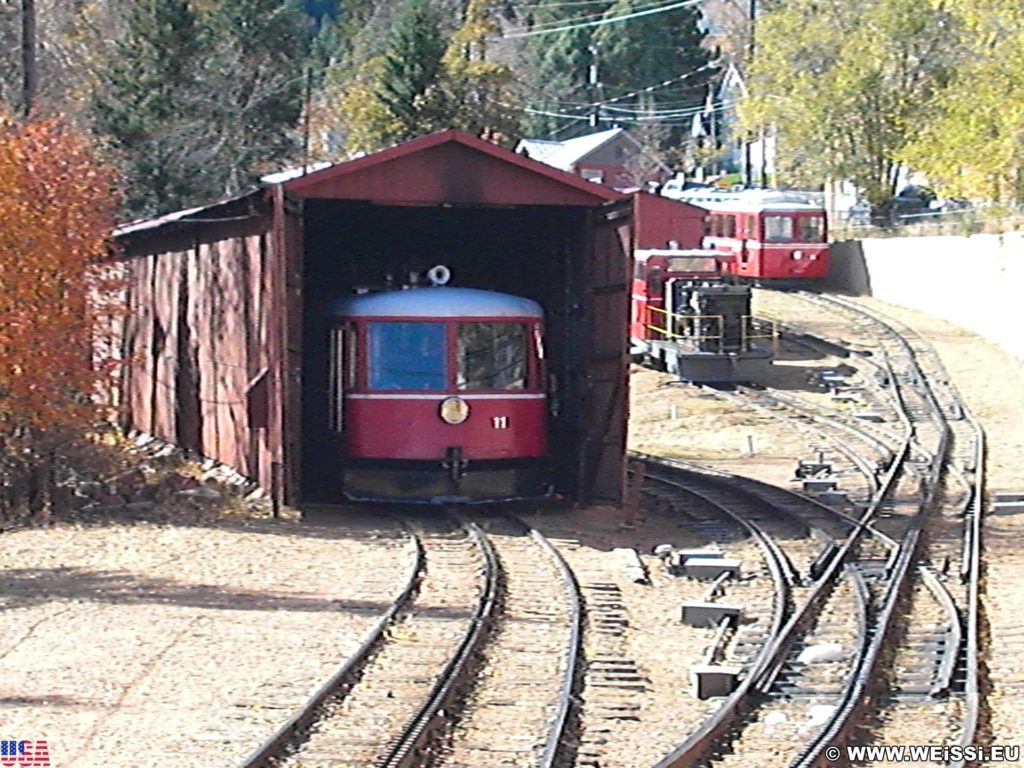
column 135, row 644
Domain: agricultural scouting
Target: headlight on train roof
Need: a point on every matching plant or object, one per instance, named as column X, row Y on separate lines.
column 454, row 410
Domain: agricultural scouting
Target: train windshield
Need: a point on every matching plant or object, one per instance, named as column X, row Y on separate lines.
column 492, row 355
column 406, row 355
column 812, row 229
column 778, row 229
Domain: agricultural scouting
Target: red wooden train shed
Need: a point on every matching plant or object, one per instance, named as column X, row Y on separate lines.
column 222, row 349
column 660, row 222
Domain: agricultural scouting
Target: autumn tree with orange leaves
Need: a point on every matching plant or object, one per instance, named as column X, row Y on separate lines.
column 57, row 207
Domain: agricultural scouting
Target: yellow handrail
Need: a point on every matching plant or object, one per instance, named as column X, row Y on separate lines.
column 752, row 328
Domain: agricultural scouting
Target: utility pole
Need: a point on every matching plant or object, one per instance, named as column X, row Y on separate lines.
column 594, row 83
column 748, row 160
column 762, row 138
column 29, row 64
column 752, row 42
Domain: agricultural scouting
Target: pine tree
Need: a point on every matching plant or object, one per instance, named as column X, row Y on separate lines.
column 611, row 56
column 145, row 103
column 558, row 66
column 253, row 85
column 198, row 104
column 644, row 51
column 412, row 72
column 478, row 89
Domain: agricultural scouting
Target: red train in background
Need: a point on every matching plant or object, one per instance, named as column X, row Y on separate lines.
column 438, row 394
column 774, row 236
column 692, row 319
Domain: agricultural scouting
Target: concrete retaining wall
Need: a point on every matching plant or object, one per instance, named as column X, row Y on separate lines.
column 976, row 282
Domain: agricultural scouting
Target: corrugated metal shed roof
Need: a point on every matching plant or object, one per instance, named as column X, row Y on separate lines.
column 232, row 209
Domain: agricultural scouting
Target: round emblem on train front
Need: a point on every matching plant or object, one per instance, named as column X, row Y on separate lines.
column 454, row 410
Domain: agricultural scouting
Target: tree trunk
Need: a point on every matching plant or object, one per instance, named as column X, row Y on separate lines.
column 29, row 64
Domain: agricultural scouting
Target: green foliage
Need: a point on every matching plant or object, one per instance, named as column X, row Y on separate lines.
column 849, row 88
column 199, row 97
column 626, row 54
column 197, row 104
column 409, row 86
column 557, row 65
column 971, row 146
column 145, row 90
column 478, row 90
column 368, row 120
column 253, row 81
column 648, row 49
column 422, row 80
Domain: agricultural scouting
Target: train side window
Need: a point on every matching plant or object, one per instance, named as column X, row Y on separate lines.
column 812, row 229
column 728, row 226
column 639, row 270
column 406, row 355
column 492, row 355
column 654, row 281
column 778, row 229
column 342, row 363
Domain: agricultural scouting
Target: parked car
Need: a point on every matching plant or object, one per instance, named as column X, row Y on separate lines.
column 914, row 202
column 680, row 189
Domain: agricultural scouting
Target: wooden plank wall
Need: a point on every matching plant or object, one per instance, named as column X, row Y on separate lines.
column 197, row 347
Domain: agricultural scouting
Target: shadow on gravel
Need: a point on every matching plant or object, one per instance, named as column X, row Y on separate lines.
column 45, row 700
column 793, row 368
column 30, row 587
column 356, row 523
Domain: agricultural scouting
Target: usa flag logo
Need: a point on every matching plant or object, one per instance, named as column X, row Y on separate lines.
column 24, row 754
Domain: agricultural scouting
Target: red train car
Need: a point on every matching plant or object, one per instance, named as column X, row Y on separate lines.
column 438, row 394
column 654, row 271
column 774, row 236
column 692, row 319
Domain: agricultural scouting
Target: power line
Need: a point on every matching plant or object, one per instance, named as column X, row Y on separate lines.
column 655, row 114
column 646, row 89
column 599, row 22
column 542, row 6
column 671, row 117
column 584, row 17
column 662, row 84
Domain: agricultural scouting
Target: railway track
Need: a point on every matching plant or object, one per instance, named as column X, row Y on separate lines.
column 473, row 664
column 833, row 614
column 377, row 692
column 888, row 584
column 775, row 677
column 857, row 612
column 519, row 707
column 617, row 724
column 952, row 442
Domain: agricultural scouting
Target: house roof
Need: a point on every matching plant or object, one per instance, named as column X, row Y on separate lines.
column 565, row 154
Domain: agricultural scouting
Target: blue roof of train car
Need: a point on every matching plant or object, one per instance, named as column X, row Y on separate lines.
column 437, row 301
